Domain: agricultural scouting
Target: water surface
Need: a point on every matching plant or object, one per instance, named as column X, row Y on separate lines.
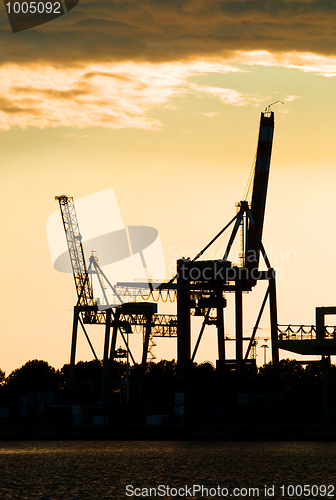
column 102, row 470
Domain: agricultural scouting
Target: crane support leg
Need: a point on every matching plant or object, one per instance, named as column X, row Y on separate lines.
column 87, row 338
column 146, row 342
column 256, row 326
column 105, row 356
column 114, row 336
column 325, row 364
column 239, row 325
column 73, row 349
column 273, row 320
column 127, row 346
column 200, row 335
column 183, row 319
column 220, row 330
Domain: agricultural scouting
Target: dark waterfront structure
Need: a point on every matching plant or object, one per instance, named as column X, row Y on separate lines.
column 36, row 403
column 200, row 288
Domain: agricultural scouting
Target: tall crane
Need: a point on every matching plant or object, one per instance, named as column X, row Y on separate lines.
column 86, row 311
column 86, row 304
column 202, row 284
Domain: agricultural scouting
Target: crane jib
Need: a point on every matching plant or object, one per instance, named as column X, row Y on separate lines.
column 260, row 185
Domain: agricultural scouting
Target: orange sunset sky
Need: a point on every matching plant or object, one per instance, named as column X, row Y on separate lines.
column 161, row 100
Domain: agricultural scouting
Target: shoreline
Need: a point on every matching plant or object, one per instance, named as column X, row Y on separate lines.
column 228, row 432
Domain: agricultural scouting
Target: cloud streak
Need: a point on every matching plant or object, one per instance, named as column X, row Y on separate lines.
column 306, row 62
column 227, row 96
column 111, row 95
column 119, row 95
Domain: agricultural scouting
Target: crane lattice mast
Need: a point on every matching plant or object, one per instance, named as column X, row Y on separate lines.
column 76, row 253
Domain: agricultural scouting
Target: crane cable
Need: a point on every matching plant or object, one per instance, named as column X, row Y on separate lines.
column 248, row 187
column 246, row 194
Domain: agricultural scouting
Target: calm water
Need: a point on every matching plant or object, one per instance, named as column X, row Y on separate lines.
column 102, row 470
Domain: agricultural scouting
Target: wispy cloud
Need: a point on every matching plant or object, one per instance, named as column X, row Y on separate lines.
column 227, row 96
column 291, row 98
column 212, row 114
column 306, row 62
column 119, row 95
column 71, row 136
column 111, row 95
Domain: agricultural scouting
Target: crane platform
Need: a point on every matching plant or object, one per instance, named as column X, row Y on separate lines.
column 319, row 339
column 325, row 347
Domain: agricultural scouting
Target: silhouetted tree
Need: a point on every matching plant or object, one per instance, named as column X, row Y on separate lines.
column 88, row 375
column 35, row 375
column 85, row 371
column 2, row 377
column 162, row 381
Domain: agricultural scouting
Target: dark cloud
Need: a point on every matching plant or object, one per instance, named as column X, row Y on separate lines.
column 93, row 74
column 55, row 94
column 166, row 30
column 9, row 107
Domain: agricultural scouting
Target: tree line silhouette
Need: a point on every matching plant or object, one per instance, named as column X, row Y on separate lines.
column 294, row 394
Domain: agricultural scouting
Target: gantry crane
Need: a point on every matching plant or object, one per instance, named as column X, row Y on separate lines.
column 201, row 284
column 86, row 311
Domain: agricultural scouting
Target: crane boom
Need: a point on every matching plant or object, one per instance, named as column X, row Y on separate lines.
column 76, row 253
column 260, row 184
